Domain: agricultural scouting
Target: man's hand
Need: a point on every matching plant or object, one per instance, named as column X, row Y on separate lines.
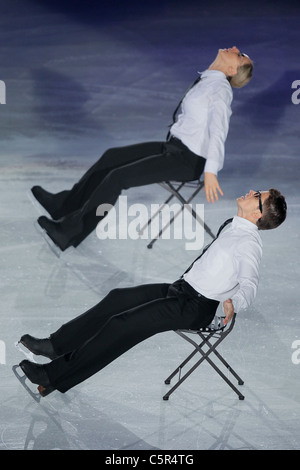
column 211, row 187
column 228, row 310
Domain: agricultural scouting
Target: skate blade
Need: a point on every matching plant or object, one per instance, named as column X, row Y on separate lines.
column 54, row 248
column 28, row 354
column 22, row 379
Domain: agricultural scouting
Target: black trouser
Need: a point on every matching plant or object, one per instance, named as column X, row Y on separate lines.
column 123, row 168
column 124, row 318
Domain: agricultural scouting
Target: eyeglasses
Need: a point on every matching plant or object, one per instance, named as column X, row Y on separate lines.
column 258, row 194
column 241, row 54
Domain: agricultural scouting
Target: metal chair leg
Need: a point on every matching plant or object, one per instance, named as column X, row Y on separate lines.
column 206, row 336
column 175, row 192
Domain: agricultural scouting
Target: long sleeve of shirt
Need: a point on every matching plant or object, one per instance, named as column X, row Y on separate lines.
column 203, row 123
column 229, row 269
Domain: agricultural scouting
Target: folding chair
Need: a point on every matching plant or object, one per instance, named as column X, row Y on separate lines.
column 174, row 188
column 211, row 337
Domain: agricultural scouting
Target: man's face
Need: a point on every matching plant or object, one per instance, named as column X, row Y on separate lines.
column 249, row 203
column 233, row 57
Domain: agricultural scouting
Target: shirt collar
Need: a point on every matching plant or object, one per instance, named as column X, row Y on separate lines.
column 243, row 223
column 213, row 73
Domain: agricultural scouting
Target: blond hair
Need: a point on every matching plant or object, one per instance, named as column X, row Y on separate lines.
column 243, row 76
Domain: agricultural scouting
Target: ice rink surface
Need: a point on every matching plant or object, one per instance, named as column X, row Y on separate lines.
column 81, row 77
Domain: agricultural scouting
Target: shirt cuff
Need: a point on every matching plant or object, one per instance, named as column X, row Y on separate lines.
column 238, row 303
column 211, row 167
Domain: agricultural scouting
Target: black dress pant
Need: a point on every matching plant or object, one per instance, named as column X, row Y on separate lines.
column 120, row 169
column 124, row 318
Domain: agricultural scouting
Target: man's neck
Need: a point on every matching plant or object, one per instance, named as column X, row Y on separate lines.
column 217, row 66
column 246, row 217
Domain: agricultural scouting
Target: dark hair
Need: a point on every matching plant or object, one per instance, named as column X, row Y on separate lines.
column 274, row 211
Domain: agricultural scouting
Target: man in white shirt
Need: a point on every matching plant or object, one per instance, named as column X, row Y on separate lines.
column 196, row 145
column 226, row 272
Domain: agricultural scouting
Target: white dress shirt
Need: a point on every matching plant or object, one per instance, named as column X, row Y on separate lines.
column 204, row 120
column 229, row 269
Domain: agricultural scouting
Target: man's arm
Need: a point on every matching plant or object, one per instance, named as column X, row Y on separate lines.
column 218, row 124
column 247, row 257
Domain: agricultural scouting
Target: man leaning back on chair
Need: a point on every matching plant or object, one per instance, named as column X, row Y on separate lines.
column 227, row 272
